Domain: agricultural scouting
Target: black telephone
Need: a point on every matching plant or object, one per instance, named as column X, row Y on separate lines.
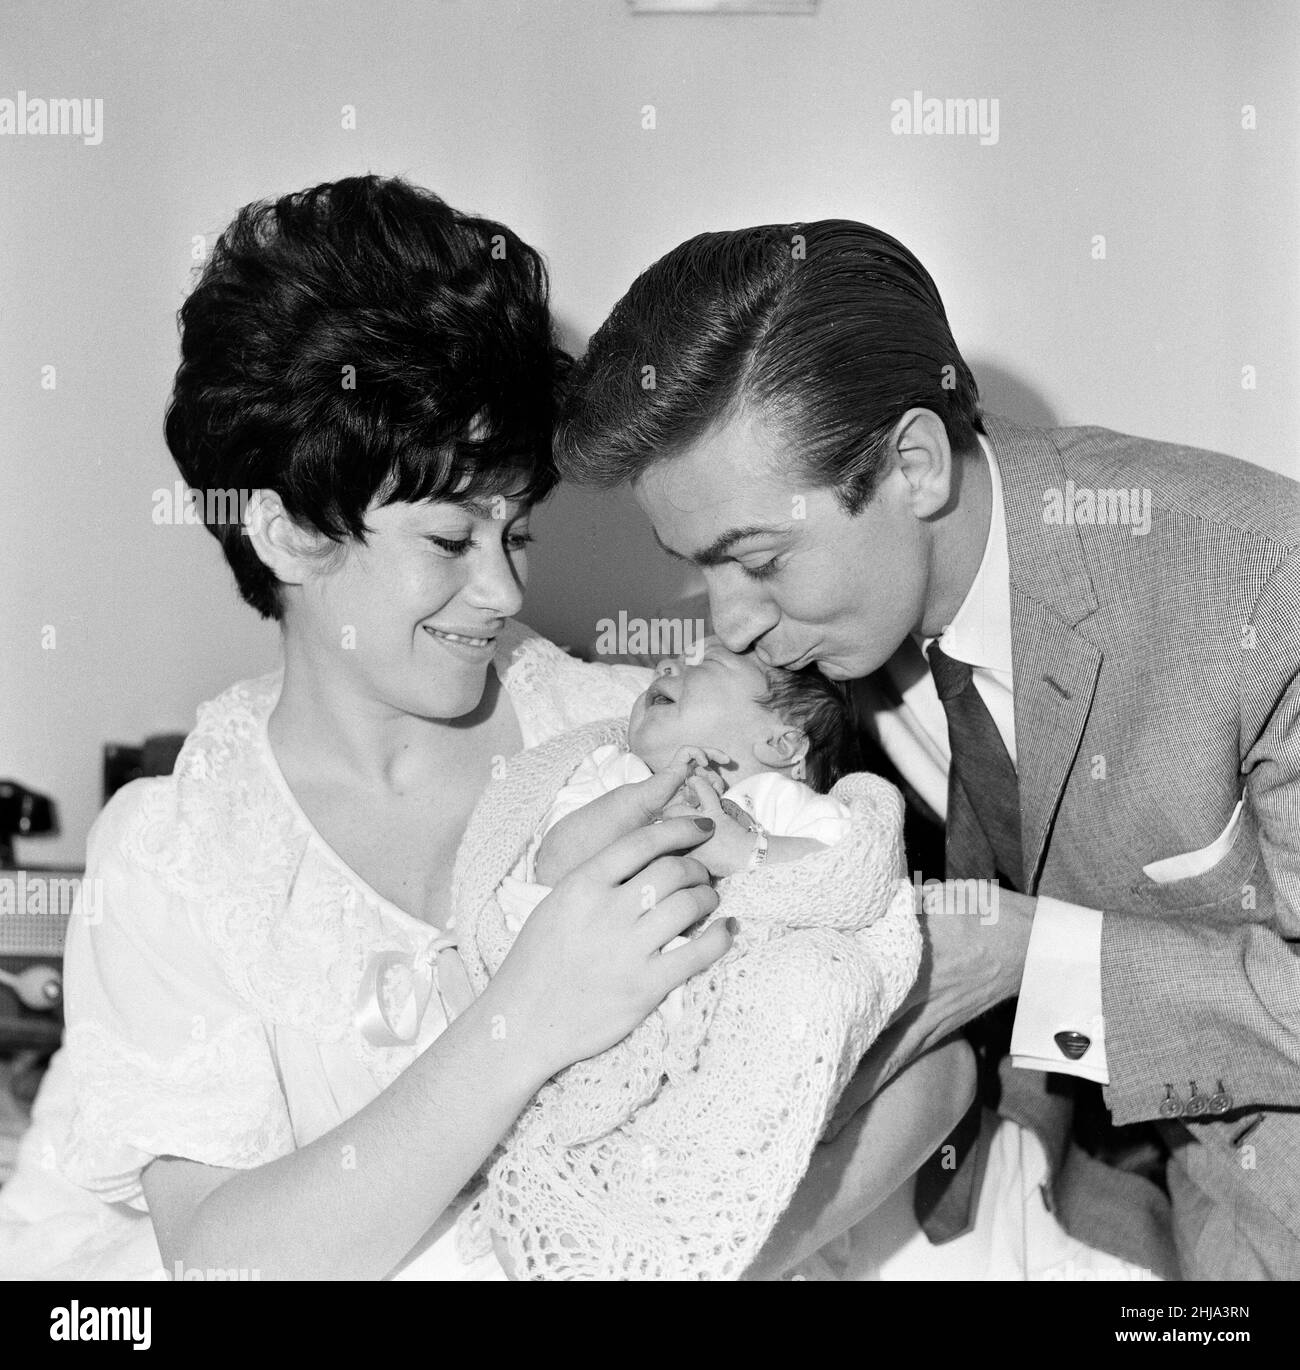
column 23, row 813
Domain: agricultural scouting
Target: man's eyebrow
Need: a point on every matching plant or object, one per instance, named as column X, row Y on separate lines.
column 717, row 550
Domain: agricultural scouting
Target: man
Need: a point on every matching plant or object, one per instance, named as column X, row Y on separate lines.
column 1081, row 647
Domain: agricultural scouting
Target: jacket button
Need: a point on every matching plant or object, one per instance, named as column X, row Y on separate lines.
column 1221, row 1101
column 1197, row 1104
column 1171, row 1106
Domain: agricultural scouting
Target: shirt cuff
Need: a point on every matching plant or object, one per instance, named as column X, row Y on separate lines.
column 1061, row 993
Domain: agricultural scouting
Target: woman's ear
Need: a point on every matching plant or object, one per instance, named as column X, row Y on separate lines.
column 783, row 750
column 283, row 546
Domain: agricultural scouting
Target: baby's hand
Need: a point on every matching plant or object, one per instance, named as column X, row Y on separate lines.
column 731, row 845
column 699, row 762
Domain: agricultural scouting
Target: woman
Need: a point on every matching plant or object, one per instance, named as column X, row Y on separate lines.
column 270, row 1019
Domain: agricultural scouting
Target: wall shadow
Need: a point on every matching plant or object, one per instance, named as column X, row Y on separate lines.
column 1009, row 396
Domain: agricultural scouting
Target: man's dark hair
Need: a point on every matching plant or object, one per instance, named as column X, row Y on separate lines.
column 830, row 330
column 820, row 709
column 362, row 340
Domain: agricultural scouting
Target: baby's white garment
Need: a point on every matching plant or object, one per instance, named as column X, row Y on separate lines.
column 788, row 808
column 785, row 807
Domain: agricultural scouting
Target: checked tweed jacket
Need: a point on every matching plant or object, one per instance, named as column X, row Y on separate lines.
column 1157, row 683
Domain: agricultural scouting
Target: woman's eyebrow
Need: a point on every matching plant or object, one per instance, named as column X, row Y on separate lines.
column 490, row 510
column 716, row 552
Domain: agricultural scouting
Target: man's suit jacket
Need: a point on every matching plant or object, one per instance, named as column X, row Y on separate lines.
column 1157, row 683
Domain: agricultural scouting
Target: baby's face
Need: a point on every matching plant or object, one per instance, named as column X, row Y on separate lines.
column 711, row 704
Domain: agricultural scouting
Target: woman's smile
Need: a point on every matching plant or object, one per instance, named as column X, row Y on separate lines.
column 463, row 645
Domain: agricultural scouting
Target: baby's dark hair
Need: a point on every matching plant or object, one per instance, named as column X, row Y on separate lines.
column 821, row 710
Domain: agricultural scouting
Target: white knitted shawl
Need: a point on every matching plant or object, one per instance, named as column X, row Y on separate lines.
column 673, row 1154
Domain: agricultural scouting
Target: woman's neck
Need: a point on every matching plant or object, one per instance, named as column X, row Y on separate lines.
column 331, row 725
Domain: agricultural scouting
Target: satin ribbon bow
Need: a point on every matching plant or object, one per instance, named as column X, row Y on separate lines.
column 388, row 1015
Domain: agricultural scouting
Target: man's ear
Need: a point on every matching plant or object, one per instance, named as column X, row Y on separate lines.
column 283, row 546
column 924, row 457
column 784, row 749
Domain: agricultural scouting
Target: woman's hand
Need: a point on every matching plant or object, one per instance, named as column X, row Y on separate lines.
column 580, row 835
column 588, row 965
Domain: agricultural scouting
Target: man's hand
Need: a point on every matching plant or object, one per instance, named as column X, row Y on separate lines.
column 973, row 960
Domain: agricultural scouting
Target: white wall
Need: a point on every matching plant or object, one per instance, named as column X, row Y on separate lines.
column 1119, row 118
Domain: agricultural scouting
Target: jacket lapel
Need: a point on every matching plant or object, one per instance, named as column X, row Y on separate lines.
column 1054, row 667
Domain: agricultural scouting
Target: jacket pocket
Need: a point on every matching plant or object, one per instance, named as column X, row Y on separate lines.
column 1224, row 883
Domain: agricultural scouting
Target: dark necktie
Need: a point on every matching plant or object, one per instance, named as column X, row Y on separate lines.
column 982, row 843
column 983, row 838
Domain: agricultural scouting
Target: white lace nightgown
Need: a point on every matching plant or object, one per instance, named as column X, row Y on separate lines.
column 245, row 991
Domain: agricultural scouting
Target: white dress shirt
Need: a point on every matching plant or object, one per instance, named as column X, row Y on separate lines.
column 1061, row 988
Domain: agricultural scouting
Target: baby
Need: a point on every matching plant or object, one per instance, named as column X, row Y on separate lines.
column 754, row 748
column 673, row 1153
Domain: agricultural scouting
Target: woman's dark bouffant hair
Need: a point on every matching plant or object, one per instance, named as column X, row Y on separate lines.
column 356, row 341
column 832, row 330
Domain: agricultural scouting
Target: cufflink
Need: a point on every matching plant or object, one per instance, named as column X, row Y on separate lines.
column 1072, row 1044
